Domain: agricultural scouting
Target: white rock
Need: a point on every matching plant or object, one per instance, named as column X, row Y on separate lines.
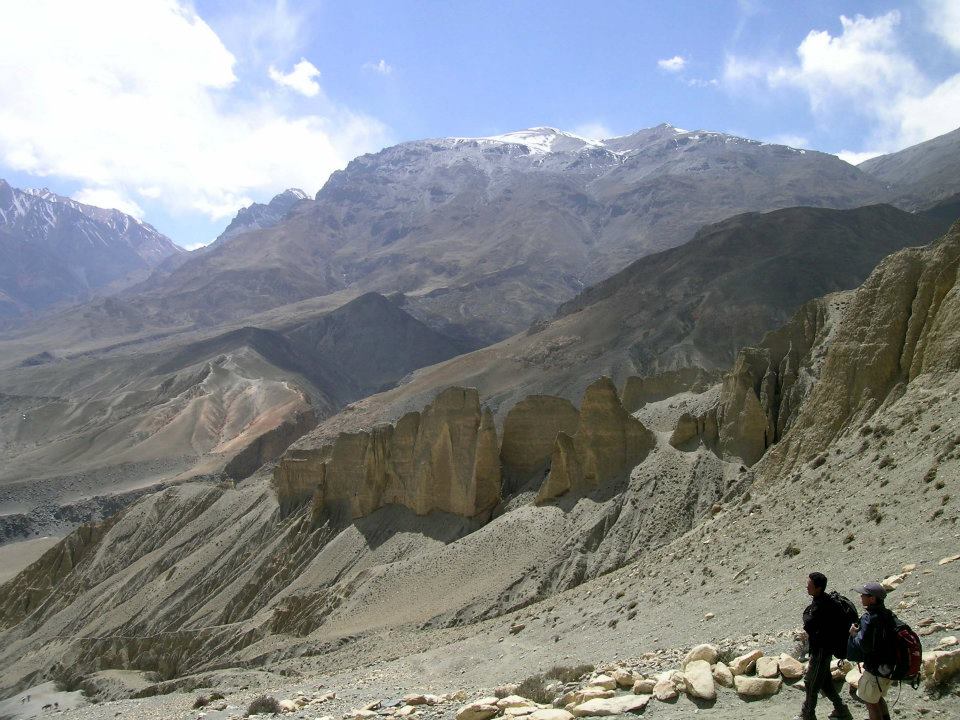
column 625, row 678
column 947, row 641
column 853, row 676
column 479, row 710
column 722, row 675
column 701, row 652
column 768, row 667
column 745, row 663
column 790, row 667
column 756, row 686
column 664, row 690
column 699, row 680
column 288, row 706
column 602, row 707
column 604, row 681
column 514, row 701
column 550, row 714
column 940, row 665
column 644, row 686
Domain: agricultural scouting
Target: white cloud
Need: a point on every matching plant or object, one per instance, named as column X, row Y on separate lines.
column 142, row 99
column 301, row 78
column 593, row 131
column 382, row 67
column 943, row 19
column 674, row 64
column 106, row 198
column 863, row 71
column 702, row 82
column 855, row 158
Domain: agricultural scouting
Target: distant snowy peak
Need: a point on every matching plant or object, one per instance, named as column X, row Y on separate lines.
column 259, row 216
column 41, row 215
column 544, row 140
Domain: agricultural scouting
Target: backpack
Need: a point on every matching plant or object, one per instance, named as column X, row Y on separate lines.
column 845, row 615
column 904, row 650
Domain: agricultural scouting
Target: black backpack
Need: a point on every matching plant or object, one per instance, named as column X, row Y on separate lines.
column 845, row 615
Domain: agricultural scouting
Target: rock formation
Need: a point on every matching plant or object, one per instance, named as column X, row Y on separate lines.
column 638, row 391
column 608, row 442
column 530, row 434
column 761, row 394
column 445, row 458
column 899, row 325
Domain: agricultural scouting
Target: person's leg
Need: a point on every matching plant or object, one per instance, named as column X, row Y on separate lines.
column 884, row 710
column 873, row 711
column 830, row 692
column 812, row 682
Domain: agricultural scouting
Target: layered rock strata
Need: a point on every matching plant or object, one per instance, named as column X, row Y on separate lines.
column 445, row 458
column 901, row 324
column 608, row 442
column 638, row 391
column 530, row 435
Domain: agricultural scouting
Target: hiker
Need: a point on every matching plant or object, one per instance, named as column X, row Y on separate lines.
column 865, row 645
column 824, row 633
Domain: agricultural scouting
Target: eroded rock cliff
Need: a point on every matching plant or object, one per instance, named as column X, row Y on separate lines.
column 444, row 458
column 608, row 442
column 530, row 434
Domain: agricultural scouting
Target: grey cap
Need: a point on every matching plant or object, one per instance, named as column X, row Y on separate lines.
column 872, row 588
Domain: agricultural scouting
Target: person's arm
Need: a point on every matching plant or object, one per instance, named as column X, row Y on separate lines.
column 855, row 645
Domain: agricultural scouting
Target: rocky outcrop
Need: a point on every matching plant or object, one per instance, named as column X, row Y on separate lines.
column 445, row 458
column 762, row 393
column 530, row 434
column 270, row 445
column 900, row 324
column 638, row 391
column 608, row 442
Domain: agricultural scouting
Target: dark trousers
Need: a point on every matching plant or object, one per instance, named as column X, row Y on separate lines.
column 818, row 680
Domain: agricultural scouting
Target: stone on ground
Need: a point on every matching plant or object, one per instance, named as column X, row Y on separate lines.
column 644, row 686
column 480, row 710
column 722, row 675
column 768, row 667
column 745, row 663
column 790, row 667
column 699, row 680
column 756, row 686
column 602, row 707
column 707, row 652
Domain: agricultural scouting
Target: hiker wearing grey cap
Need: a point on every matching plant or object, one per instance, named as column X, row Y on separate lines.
column 864, row 645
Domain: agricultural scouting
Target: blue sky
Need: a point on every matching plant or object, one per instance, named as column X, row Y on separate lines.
column 182, row 113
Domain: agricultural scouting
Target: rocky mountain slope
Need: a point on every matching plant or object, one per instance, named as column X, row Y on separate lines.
column 484, row 235
column 259, row 215
column 54, row 249
column 204, row 576
column 690, row 307
column 923, row 173
column 78, row 433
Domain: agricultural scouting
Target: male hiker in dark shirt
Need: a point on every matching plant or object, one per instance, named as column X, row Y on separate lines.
column 821, row 623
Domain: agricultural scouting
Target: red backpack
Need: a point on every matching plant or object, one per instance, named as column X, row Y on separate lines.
column 905, row 651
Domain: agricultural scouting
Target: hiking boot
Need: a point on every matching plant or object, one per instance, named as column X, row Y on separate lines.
column 841, row 713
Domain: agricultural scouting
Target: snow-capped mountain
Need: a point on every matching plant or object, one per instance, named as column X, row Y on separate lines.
column 259, row 215
column 482, row 235
column 54, row 249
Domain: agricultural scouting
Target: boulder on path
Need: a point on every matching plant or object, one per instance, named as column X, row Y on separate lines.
column 514, row 701
column 644, row 686
column 482, row 709
column 790, row 667
column 768, row 667
column 287, row 706
column 699, row 680
column 602, row 707
column 604, row 681
column 664, row 690
column 707, row 652
column 940, row 665
column 625, row 679
column 722, row 675
column 550, row 714
column 745, row 663
column 756, row 687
